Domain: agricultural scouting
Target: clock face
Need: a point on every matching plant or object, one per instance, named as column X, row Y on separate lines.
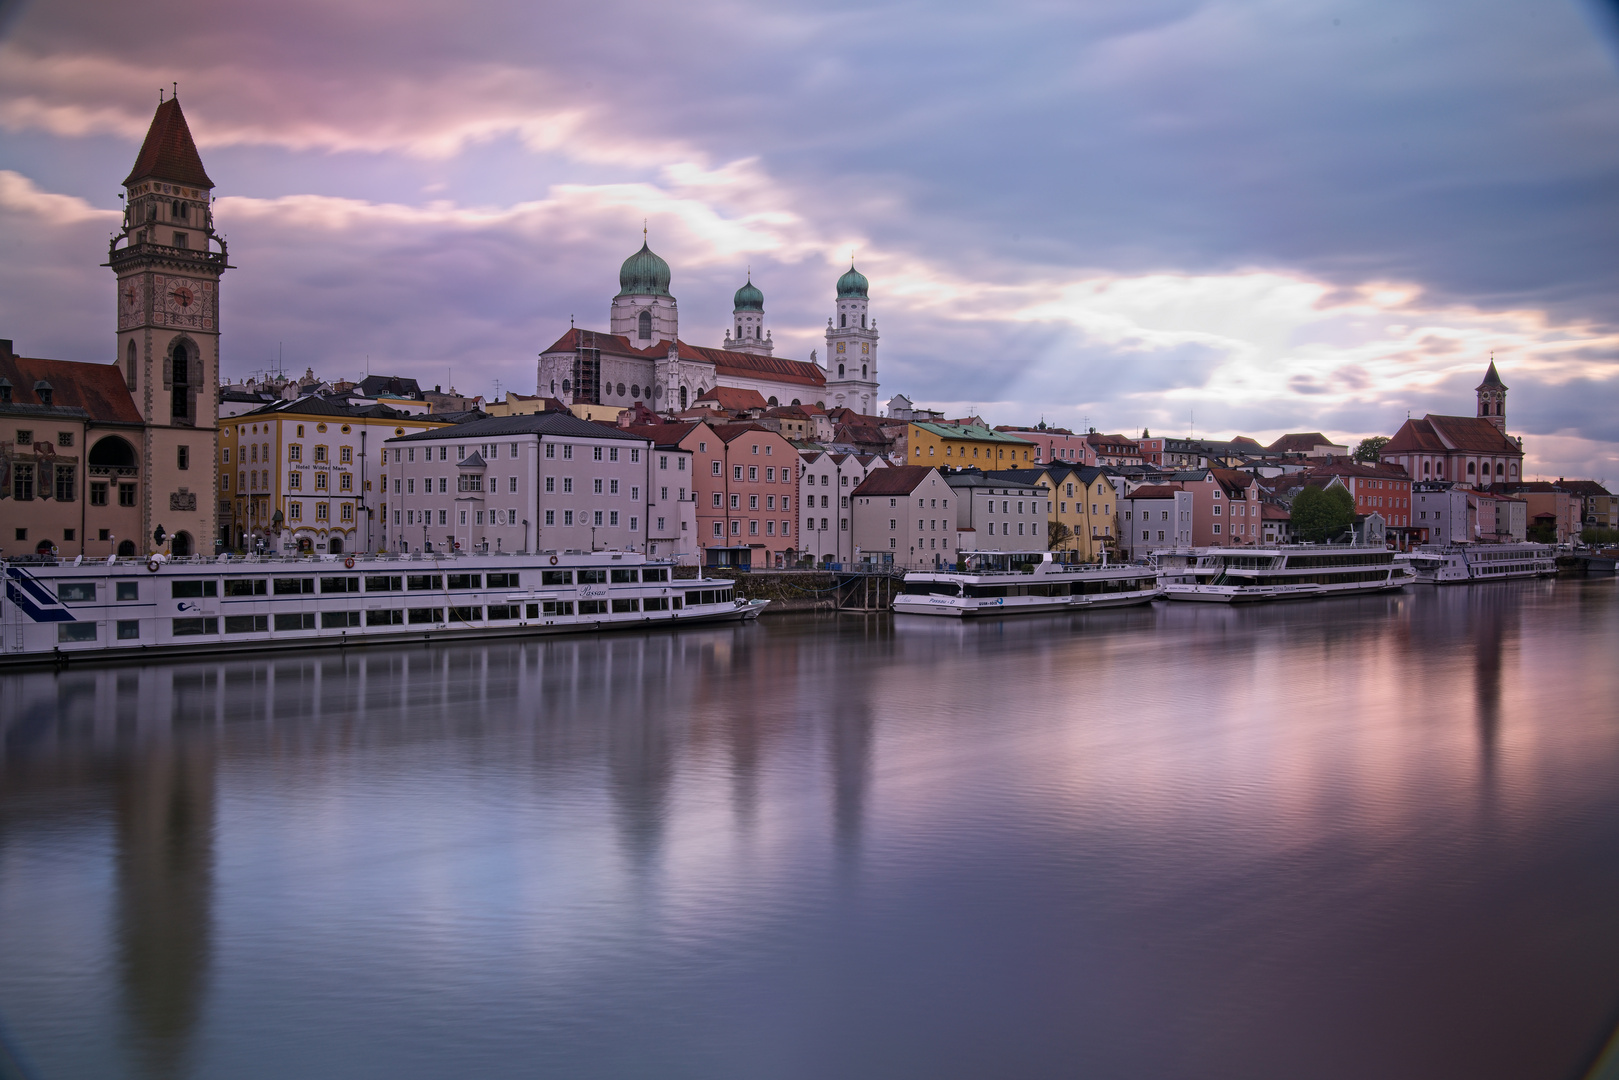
column 187, row 302
column 131, row 303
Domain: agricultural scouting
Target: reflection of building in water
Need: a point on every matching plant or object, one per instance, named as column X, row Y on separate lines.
column 164, row 792
column 165, row 883
column 133, row 748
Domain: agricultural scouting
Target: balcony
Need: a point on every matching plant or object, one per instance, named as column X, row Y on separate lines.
column 215, row 260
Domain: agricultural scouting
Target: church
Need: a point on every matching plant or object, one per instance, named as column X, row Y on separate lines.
column 1471, row 450
column 641, row 358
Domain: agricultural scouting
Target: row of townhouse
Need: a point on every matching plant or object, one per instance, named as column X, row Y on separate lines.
column 919, row 516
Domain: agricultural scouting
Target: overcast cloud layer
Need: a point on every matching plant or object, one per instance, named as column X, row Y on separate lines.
column 1256, row 217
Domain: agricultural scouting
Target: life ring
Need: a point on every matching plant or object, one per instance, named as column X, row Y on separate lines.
column 553, row 560
column 153, row 565
column 348, row 563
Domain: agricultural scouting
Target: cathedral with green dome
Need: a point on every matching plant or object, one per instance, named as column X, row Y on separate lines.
column 641, row 359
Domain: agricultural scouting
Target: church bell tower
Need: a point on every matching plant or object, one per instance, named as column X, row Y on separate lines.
column 168, row 261
column 1492, row 398
column 851, row 348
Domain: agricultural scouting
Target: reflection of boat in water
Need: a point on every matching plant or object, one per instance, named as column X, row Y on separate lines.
column 1294, row 572
column 125, row 607
column 1023, row 582
column 1452, row 564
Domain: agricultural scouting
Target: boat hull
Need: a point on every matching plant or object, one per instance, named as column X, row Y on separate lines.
column 58, row 612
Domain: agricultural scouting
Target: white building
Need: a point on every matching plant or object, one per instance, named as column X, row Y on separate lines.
column 994, row 514
column 548, row 481
column 825, row 484
column 891, row 522
column 1154, row 518
column 641, row 358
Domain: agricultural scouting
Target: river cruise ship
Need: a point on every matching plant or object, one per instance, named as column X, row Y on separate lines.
column 1023, row 582
column 58, row 610
column 1454, row 564
column 1293, row 572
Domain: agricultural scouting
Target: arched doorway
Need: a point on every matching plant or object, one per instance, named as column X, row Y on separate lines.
column 180, row 544
column 45, row 547
column 126, row 549
column 335, row 545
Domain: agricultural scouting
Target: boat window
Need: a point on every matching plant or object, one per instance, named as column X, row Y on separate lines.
column 556, row 577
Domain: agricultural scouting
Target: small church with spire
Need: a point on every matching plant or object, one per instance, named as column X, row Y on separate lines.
column 642, row 360
column 1474, row 451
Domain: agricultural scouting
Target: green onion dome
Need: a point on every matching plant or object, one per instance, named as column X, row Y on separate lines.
column 749, row 298
column 852, row 283
column 643, row 274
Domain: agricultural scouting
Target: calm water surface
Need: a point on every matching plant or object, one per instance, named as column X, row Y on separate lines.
column 1359, row 838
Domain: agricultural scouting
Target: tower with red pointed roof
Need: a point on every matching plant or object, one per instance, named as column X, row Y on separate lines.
column 168, row 261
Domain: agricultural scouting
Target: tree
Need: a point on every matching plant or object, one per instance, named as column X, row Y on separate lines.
column 1057, row 534
column 1322, row 513
column 1369, row 449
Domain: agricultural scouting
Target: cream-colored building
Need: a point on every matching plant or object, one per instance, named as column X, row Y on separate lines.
column 309, row 475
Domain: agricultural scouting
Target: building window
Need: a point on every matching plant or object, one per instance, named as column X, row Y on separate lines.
column 183, row 457
column 126, row 494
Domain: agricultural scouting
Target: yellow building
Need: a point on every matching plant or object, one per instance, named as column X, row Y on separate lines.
column 309, row 475
column 1083, row 500
column 1087, row 501
column 962, row 446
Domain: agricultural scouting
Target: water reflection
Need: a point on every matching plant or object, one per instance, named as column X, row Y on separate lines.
column 1104, row 843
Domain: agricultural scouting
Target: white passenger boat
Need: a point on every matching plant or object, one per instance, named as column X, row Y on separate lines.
column 1452, row 564
column 1022, row 582
column 61, row 609
column 1292, row 572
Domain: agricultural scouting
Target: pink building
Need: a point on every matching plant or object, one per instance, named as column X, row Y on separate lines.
column 1057, row 445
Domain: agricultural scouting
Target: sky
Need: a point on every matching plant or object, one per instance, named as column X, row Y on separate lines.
column 1223, row 217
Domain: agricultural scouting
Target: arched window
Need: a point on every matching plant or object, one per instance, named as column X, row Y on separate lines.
column 843, row 319
column 112, row 452
column 1470, row 469
column 682, row 397
column 567, row 386
column 738, row 329
column 840, row 371
column 644, row 326
column 797, row 402
column 180, row 403
column 129, row 366
column 771, row 401
column 862, row 322
column 862, row 371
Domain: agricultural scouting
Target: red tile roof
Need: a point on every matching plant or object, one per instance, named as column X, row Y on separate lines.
column 1154, row 491
column 733, row 399
column 734, row 364
column 1473, row 434
column 1299, row 443
column 98, row 389
column 1438, row 434
column 168, row 152
column 895, row 480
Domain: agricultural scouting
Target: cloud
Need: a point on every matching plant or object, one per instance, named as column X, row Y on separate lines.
column 1270, row 215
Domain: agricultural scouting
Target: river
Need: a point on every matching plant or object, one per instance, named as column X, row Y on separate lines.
column 1351, row 838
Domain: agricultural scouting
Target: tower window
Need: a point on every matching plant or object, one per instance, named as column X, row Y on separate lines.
column 862, row 322
column 179, row 211
column 644, row 326
column 129, row 365
column 843, row 319
column 862, row 371
column 840, row 371
column 179, row 239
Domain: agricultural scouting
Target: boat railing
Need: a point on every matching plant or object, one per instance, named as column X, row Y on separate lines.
column 301, row 558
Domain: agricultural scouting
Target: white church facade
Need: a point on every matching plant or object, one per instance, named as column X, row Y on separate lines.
column 642, row 359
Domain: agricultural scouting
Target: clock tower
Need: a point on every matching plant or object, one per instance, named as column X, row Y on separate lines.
column 168, row 261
